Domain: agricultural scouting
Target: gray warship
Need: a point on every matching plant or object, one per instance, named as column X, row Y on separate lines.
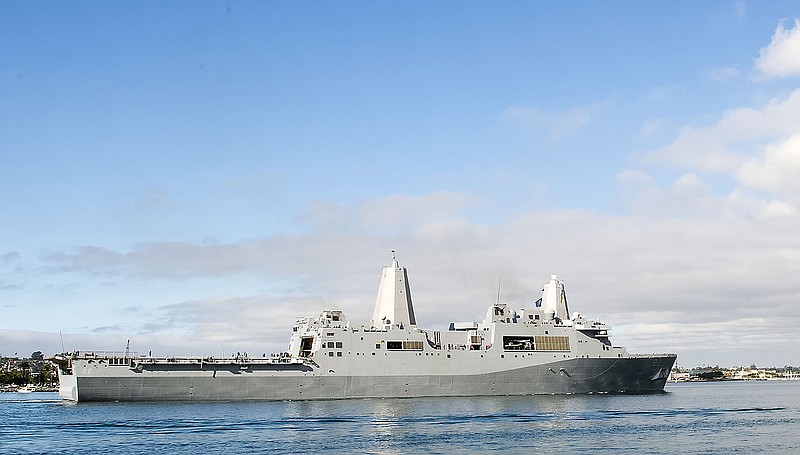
column 539, row 350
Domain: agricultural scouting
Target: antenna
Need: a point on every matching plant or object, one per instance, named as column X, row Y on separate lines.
column 128, row 348
column 62, row 341
column 499, row 282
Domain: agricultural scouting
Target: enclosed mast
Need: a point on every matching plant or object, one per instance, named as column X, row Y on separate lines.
column 393, row 304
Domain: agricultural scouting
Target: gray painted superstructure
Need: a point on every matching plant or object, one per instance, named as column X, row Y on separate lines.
column 532, row 351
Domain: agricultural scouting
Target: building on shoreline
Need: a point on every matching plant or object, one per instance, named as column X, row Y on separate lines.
column 33, row 374
column 717, row 373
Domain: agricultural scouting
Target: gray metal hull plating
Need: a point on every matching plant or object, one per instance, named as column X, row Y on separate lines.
column 640, row 374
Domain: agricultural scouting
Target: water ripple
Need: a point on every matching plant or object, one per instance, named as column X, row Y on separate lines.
column 744, row 419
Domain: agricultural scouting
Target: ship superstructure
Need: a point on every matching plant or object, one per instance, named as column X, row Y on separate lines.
column 539, row 350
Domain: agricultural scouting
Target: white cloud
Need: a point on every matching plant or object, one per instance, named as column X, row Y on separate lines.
column 259, row 320
column 663, row 93
column 554, row 125
column 781, row 58
column 758, row 148
column 724, row 146
column 688, row 196
column 719, row 340
column 743, row 202
column 634, row 177
column 723, row 74
column 778, row 210
column 741, row 8
column 651, row 127
column 776, row 170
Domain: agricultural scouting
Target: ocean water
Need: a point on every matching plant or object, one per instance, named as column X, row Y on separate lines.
column 726, row 417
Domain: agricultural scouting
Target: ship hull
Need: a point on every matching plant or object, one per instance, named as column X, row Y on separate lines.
column 639, row 374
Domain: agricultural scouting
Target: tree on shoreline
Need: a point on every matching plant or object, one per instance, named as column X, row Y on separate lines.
column 32, row 371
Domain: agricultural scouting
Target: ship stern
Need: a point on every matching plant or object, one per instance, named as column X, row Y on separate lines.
column 67, row 381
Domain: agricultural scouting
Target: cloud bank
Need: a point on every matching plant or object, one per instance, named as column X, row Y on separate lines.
column 781, row 58
column 666, row 282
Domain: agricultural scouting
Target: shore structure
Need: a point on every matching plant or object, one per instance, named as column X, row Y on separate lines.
column 539, row 350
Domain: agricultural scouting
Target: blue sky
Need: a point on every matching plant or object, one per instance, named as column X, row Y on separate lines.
column 191, row 175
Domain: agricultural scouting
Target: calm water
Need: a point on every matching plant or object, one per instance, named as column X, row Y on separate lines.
column 736, row 417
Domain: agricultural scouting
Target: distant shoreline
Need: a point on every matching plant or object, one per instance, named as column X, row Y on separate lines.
column 15, row 389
